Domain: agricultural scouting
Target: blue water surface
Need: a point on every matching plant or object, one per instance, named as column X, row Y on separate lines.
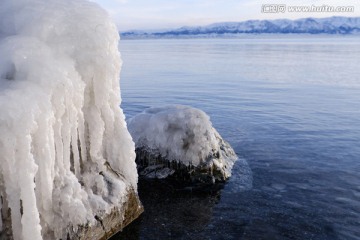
column 289, row 106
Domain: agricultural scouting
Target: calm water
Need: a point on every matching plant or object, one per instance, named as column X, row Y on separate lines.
column 290, row 107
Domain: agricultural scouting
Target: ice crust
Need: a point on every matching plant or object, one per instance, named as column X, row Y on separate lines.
column 61, row 126
column 182, row 134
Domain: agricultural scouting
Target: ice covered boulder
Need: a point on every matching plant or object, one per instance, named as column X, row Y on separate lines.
column 67, row 162
column 179, row 142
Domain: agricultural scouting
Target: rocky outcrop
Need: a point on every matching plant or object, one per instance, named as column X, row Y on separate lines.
column 105, row 225
column 109, row 224
column 178, row 143
column 67, row 162
column 216, row 167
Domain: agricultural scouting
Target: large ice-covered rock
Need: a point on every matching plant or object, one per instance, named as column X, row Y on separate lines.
column 179, row 142
column 67, row 162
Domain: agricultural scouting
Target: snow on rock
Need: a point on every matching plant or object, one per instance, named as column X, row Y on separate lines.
column 180, row 141
column 66, row 153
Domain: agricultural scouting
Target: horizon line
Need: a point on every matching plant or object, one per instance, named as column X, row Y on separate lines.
column 204, row 25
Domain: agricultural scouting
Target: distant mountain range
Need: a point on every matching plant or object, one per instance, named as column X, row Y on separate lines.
column 332, row 25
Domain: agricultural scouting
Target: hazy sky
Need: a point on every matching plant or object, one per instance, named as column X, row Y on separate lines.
column 158, row 14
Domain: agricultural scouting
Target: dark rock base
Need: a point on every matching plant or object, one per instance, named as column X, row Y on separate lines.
column 152, row 165
column 105, row 226
column 111, row 223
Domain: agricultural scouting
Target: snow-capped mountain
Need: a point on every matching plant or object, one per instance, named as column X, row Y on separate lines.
column 332, row 25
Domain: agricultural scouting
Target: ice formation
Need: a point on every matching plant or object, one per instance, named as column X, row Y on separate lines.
column 61, row 127
column 180, row 134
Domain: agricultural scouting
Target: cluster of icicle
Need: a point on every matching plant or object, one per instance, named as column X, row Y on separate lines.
column 60, row 121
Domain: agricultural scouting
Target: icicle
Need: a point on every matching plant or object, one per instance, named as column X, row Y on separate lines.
column 60, row 121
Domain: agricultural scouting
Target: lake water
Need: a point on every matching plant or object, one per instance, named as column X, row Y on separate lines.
column 289, row 106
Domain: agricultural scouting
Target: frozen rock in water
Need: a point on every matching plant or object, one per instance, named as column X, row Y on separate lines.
column 67, row 162
column 180, row 143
